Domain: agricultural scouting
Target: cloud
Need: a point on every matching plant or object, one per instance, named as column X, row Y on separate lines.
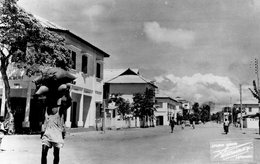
column 176, row 37
column 256, row 5
column 201, row 88
column 94, row 11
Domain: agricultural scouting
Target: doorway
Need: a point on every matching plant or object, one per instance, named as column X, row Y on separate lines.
column 74, row 115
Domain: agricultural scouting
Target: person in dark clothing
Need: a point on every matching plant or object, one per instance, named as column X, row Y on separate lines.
column 226, row 125
column 172, row 123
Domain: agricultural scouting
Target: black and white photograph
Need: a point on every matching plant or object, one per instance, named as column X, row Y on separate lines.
column 129, row 81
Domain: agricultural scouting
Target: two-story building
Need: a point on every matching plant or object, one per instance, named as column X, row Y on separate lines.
column 86, row 92
column 185, row 105
column 166, row 107
column 125, row 82
column 249, row 112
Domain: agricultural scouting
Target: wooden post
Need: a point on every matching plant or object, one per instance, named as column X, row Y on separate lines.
column 257, row 78
column 104, row 116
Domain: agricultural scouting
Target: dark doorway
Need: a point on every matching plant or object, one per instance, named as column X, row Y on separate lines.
column 74, row 115
column 159, row 120
column 18, row 106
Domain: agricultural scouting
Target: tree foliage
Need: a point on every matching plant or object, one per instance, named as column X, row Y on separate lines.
column 24, row 40
column 122, row 104
column 143, row 105
column 195, row 107
column 205, row 113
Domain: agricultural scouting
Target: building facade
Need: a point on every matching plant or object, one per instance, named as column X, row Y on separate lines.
column 166, row 107
column 249, row 114
column 125, row 82
column 86, row 91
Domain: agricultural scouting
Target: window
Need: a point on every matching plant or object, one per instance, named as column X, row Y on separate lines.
column 84, row 64
column 98, row 70
column 73, row 58
column 250, row 109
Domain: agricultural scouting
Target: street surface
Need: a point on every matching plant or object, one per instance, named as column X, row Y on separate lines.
column 128, row 146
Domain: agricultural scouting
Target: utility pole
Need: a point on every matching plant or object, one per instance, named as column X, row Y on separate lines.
column 232, row 120
column 241, row 119
column 257, row 78
column 104, row 115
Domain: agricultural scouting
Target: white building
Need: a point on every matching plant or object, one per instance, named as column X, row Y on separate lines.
column 166, row 107
column 249, row 114
column 86, row 92
column 125, row 82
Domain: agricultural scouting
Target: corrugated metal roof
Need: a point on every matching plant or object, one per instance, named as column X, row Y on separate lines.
column 112, row 73
column 127, row 79
column 162, row 95
column 125, row 76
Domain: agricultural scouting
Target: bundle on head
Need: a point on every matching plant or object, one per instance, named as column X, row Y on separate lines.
column 53, row 80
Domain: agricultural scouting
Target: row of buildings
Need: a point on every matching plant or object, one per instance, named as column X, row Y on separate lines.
column 249, row 113
column 93, row 83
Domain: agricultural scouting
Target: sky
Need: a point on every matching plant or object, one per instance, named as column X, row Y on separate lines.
column 200, row 50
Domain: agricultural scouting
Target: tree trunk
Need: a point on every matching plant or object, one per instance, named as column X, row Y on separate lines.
column 135, row 121
column 9, row 118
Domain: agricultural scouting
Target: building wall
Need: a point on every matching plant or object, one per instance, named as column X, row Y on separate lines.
column 88, row 86
column 253, row 110
column 249, row 109
column 128, row 90
column 251, row 123
column 167, row 110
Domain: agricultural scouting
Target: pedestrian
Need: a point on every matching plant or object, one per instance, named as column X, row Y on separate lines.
column 226, row 125
column 193, row 122
column 53, row 131
column 172, row 123
column 2, row 130
column 182, row 124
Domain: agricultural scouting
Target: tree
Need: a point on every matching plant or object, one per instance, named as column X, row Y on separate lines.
column 196, row 111
column 143, row 106
column 25, row 42
column 123, row 105
column 195, row 107
column 256, row 93
column 205, row 113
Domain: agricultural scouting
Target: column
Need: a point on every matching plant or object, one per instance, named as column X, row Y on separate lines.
column 92, row 111
column 3, row 102
column 26, row 122
column 68, row 122
column 80, row 122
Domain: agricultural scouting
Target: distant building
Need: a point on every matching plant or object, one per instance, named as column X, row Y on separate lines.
column 166, row 107
column 250, row 112
column 185, row 105
column 125, row 82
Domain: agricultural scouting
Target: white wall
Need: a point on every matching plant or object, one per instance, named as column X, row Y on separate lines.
column 251, row 123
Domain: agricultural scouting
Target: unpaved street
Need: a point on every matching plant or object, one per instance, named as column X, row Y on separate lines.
column 150, row 145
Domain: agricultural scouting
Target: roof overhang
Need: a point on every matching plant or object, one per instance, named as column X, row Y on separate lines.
column 80, row 39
